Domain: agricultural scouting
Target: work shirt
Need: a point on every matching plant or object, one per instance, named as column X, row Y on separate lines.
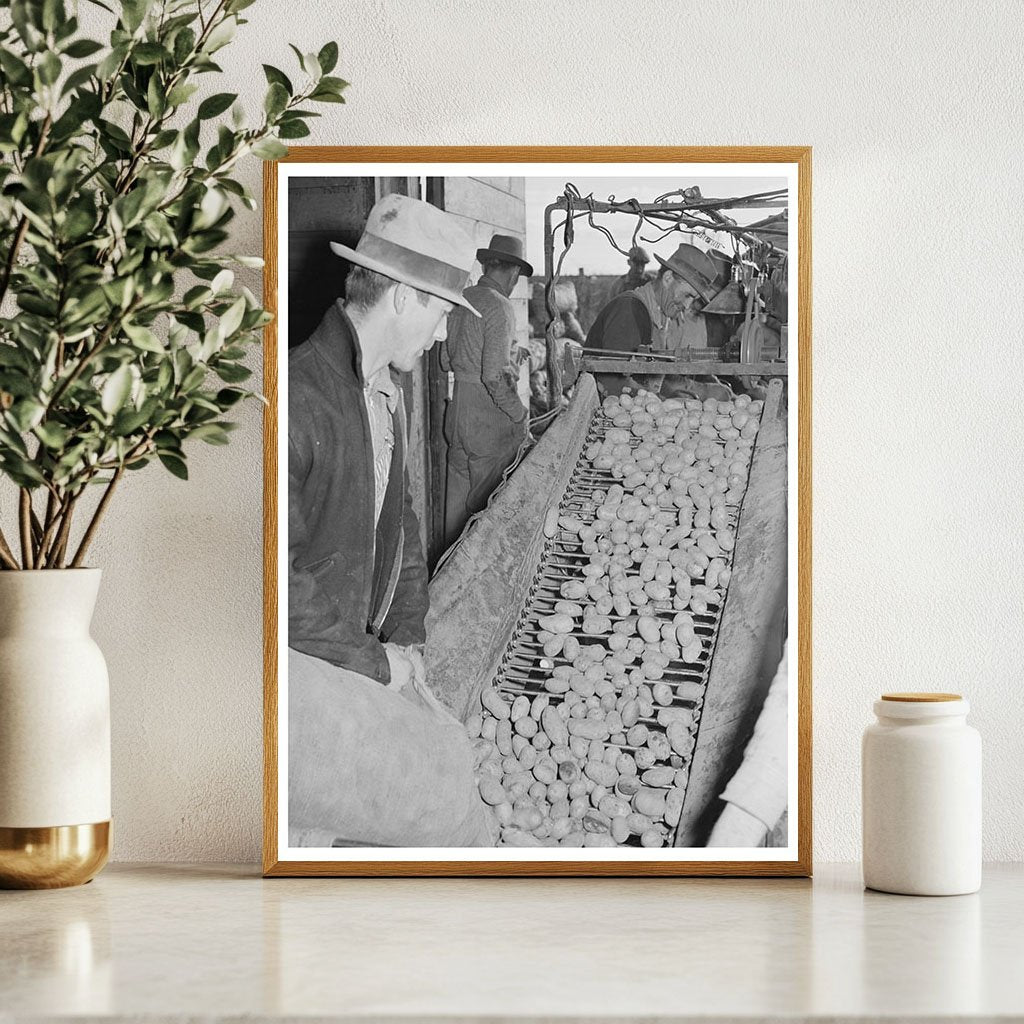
column 480, row 348
column 626, row 283
column 381, row 396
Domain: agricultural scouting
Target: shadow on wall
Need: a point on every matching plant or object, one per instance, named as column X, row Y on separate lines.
column 321, row 211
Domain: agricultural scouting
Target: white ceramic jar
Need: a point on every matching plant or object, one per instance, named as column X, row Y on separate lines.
column 921, row 776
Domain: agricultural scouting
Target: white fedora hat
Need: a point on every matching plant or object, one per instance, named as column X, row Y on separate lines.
column 415, row 243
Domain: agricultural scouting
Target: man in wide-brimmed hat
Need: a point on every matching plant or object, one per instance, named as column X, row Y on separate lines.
column 663, row 314
column 636, row 260
column 357, row 579
column 486, row 422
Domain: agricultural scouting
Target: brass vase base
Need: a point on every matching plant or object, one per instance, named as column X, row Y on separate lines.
column 54, row 857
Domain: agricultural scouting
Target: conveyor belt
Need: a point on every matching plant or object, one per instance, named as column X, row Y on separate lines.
column 524, row 666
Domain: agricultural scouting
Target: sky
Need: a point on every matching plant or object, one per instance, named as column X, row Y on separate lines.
column 592, row 251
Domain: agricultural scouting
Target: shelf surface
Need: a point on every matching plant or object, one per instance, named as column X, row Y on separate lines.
column 175, row 942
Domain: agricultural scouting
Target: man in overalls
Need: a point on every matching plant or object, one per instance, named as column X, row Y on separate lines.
column 486, row 421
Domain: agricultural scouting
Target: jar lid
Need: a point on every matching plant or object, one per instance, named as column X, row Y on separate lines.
column 921, row 698
column 921, row 705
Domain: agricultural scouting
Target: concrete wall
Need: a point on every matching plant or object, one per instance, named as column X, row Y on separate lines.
column 914, row 115
column 488, row 206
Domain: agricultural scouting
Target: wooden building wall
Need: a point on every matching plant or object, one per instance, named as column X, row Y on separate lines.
column 488, row 206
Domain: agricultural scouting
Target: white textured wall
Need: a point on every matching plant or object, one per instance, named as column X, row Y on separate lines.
column 914, row 113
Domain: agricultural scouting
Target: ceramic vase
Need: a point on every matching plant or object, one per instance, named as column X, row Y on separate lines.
column 54, row 731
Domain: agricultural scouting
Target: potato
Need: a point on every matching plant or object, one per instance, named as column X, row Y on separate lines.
column 503, row 736
column 637, row 735
column 526, row 817
column 692, row 651
column 473, row 726
column 649, row 802
column 503, row 812
column 595, row 821
column 572, row 590
column 638, row 823
column 588, row 728
column 649, row 629
column 602, row 774
column 662, row 694
column 488, row 728
column 526, row 726
column 556, row 684
column 493, row 702
column 658, row 744
column 627, row 785
column 614, row 807
column 520, row 707
column 551, row 522
column 555, row 727
column 659, row 778
column 645, row 757
column 668, row 716
column 674, row 806
column 652, row 838
column 680, row 738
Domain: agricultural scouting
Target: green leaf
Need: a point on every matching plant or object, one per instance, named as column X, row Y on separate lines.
column 53, row 14
column 221, row 35
column 216, row 104
column 211, row 433
column 232, row 319
column 53, row 435
column 181, row 94
column 26, row 414
column 269, row 149
column 175, row 465
column 116, row 390
column 149, row 53
column 278, row 77
column 78, row 78
column 334, row 84
column 14, row 68
column 276, row 100
column 222, row 281
column 49, row 68
column 326, row 96
column 144, row 338
column 328, row 57
column 293, row 130
column 232, row 373
column 82, row 48
column 184, row 44
column 134, row 12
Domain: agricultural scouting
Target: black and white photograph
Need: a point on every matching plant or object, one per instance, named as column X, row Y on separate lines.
column 537, row 586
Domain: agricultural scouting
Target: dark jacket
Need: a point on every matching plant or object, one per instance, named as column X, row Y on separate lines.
column 350, row 587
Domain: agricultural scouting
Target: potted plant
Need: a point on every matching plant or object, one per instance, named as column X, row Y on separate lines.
column 122, row 339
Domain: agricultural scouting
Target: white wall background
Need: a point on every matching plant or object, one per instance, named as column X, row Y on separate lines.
column 914, row 113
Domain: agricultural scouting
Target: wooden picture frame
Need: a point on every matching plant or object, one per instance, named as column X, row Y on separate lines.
column 798, row 861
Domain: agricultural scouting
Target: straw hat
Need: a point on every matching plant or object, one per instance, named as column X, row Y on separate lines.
column 415, row 243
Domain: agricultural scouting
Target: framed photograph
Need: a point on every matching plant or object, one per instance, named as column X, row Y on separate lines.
column 538, row 512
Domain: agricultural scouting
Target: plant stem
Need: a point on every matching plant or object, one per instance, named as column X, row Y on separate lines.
column 25, row 521
column 6, row 554
column 86, row 358
column 60, row 544
column 54, row 510
column 97, row 516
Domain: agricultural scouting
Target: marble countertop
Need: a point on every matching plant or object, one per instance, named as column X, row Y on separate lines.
column 177, row 942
